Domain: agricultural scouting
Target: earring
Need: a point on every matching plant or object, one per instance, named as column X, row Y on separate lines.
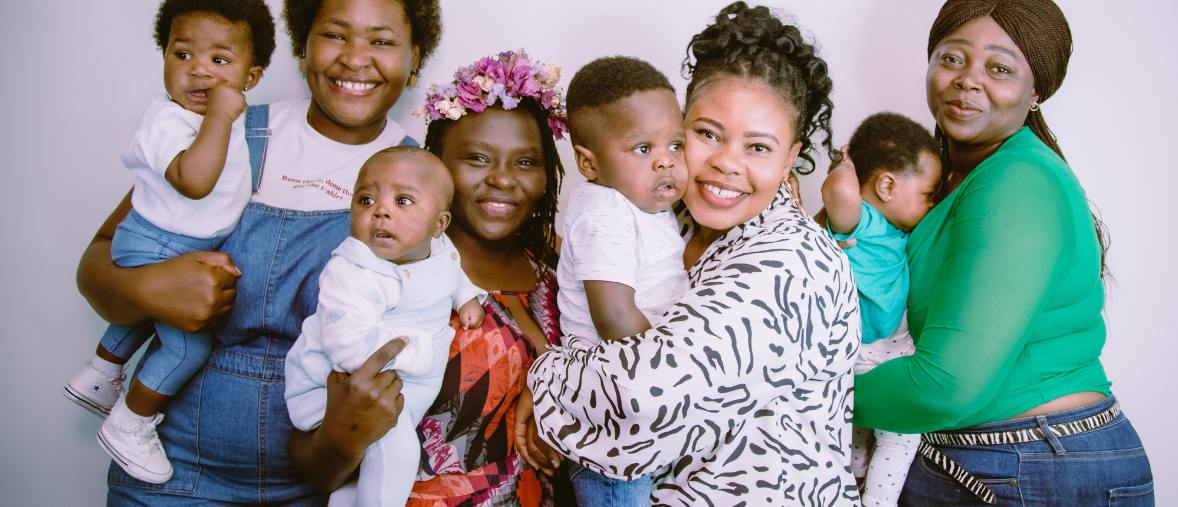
column 412, row 80
column 1034, row 106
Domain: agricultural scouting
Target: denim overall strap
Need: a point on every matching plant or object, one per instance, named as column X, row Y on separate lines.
column 257, row 136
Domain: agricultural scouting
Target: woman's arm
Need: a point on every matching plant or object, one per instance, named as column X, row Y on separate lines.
column 1009, row 242
column 361, row 409
column 190, row 292
column 756, row 327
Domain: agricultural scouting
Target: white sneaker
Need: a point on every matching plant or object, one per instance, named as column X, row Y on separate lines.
column 133, row 443
column 94, row 390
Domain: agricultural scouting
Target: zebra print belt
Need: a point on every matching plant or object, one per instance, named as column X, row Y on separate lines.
column 928, row 440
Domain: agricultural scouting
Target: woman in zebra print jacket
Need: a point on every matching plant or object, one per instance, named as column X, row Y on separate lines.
column 741, row 394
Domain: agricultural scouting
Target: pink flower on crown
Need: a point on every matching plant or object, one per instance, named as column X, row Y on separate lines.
column 470, row 94
column 559, row 125
column 493, row 69
column 521, row 82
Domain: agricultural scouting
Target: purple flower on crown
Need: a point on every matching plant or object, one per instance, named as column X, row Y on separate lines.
column 465, row 73
column 521, row 82
column 448, row 90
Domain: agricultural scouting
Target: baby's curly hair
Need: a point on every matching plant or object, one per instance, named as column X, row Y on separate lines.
column 890, row 142
column 605, row 81
column 253, row 12
column 751, row 42
column 425, row 25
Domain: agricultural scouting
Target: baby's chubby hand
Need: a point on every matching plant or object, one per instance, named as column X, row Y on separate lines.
column 471, row 314
column 225, row 101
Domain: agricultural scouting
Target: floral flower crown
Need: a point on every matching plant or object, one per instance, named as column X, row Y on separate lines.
column 506, row 77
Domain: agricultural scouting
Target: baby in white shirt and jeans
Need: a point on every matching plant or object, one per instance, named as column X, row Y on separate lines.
column 192, row 183
column 621, row 260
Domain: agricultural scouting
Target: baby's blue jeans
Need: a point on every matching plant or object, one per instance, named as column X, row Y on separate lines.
column 139, row 243
column 596, row 490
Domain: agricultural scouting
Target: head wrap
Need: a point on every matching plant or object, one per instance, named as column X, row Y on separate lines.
column 1037, row 27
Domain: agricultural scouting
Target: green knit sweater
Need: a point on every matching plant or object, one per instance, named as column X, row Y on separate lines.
column 1005, row 300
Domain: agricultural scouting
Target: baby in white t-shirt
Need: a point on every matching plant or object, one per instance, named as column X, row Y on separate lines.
column 192, row 183
column 621, row 260
column 397, row 275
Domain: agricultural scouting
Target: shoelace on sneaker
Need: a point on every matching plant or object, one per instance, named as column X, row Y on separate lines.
column 147, row 433
column 117, row 382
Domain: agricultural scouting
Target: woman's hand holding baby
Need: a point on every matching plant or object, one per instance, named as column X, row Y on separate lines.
column 361, row 408
column 190, row 292
column 531, row 447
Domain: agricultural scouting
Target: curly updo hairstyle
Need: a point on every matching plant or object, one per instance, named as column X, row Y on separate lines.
column 1041, row 32
column 538, row 234
column 753, row 43
column 253, row 12
column 425, row 25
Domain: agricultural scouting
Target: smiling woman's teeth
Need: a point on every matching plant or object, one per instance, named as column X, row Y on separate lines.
column 353, row 85
column 497, row 205
column 723, row 194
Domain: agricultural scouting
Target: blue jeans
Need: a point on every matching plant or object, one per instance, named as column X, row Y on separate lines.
column 139, row 243
column 226, row 430
column 596, row 490
column 1106, row 466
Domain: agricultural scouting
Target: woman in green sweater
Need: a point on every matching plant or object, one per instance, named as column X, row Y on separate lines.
column 1006, row 293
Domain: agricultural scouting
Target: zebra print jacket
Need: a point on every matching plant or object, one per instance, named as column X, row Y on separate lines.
column 741, row 394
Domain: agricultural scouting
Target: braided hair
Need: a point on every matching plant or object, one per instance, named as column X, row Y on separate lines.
column 538, row 234
column 1041, row 32
column 753, row 43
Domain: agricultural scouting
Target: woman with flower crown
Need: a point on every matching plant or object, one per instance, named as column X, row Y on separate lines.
column 494, row 127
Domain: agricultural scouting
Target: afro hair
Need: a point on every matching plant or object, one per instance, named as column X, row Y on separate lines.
column 605, row 81
column 253, row 12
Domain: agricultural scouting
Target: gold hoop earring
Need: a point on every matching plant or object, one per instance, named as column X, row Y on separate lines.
column 1034, row 106
column 412, row 80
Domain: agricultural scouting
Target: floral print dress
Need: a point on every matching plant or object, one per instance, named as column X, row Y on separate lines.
column 468, row 452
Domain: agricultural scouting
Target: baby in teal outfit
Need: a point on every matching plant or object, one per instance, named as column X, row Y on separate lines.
column 877, row 201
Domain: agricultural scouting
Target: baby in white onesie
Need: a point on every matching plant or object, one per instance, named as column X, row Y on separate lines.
column 396, row 276
column 621, row 260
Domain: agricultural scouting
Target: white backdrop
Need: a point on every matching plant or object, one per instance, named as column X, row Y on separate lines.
column 78, row 75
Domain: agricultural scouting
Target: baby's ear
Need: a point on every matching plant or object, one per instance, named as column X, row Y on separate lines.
column 586, row 162
column 885, row 186
column 251, row 79
column 443, row 223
